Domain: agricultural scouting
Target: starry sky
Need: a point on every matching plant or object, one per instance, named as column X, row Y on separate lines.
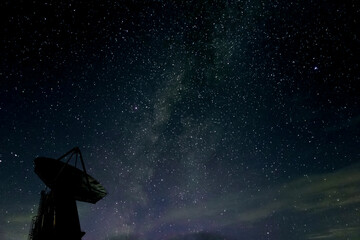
column 219, row 119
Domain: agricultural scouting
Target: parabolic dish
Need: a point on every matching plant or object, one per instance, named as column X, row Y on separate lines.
column 69, row 180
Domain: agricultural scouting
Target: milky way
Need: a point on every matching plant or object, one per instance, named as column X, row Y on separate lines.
column 202, row 119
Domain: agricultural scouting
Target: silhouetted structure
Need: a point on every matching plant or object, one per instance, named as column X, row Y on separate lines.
column 57, row 216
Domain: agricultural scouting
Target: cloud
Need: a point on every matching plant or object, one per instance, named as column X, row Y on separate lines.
column 337, row 233
column 311, row 194
column 15, row 226
column 200, row 236
column 125, row 237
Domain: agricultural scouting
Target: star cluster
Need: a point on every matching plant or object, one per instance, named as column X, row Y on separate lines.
column 216, row 119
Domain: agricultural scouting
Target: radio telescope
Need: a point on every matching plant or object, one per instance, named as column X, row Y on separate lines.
column 57, row 216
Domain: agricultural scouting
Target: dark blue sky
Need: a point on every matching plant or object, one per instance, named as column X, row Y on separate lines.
column 203, row 119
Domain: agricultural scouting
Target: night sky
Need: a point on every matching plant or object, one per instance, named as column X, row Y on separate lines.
column 220, row 119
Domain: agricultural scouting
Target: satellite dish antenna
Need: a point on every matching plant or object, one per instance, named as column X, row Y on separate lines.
column 57, row 215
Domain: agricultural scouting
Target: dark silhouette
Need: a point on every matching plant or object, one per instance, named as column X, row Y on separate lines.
column 57, row 214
